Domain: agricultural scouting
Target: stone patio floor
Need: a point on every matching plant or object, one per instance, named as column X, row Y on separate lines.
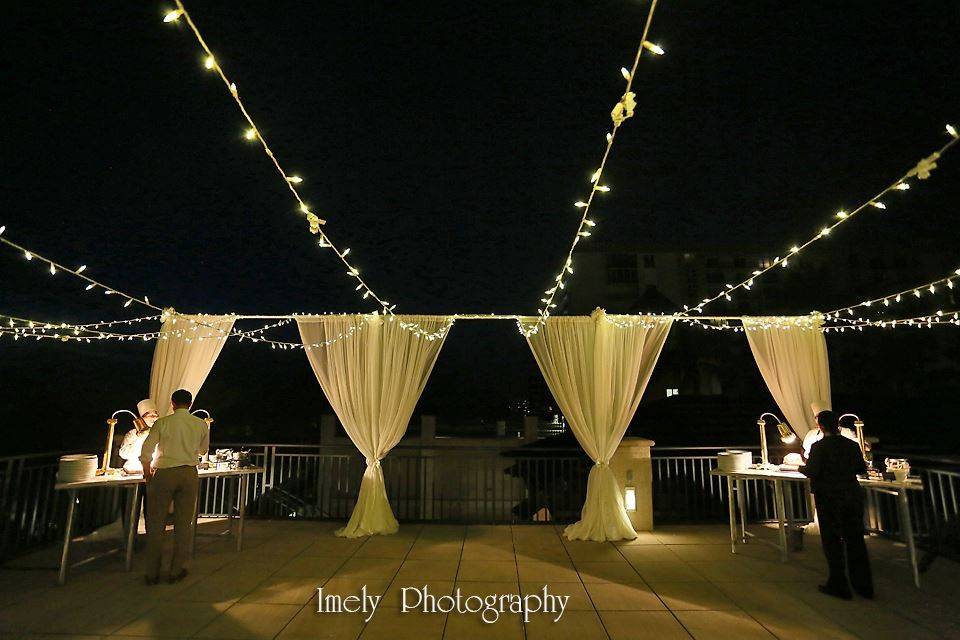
column 677, row 582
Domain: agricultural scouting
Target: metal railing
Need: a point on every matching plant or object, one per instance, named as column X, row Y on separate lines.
column 495, row 485
column 33, row 513
column 684, row 490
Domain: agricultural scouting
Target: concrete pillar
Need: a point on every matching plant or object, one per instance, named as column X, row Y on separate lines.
column 634, row 470
column 428, row 428
column 427, row 463
column 531, row 428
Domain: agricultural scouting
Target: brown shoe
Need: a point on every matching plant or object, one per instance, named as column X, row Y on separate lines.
column 177, row 578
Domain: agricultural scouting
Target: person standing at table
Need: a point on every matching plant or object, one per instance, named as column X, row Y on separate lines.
column 833, row 467
column 179, row 438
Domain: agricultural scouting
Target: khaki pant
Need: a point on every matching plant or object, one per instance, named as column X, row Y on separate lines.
column 178, row 485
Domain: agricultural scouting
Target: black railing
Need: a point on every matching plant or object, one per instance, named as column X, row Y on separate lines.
column 455, row 484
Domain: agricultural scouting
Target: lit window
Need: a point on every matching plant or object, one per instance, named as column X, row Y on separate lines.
column 672, row 392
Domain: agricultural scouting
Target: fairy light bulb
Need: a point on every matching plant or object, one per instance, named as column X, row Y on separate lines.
column 580, row 204
column 53, row 269
column 794, row 249
column 903, row 186
column 825, row 231
column 604, row 188
column 653, row 48
column 81, row 268
column 952, row 130
column 294, row 179
column 28, row 255
column 842, row 214
column 89, row 286
column 173, row 16
column 2, row 229
column 250, row 134
column 209, row 63
column 878, row 205
column 625, row 73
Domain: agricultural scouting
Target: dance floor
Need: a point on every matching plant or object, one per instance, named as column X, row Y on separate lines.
column 678, row 582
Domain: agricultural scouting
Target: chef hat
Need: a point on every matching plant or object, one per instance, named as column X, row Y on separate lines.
column 145, row 406
column 819, row 405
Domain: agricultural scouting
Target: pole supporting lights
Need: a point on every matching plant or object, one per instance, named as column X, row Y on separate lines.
column 787, row 436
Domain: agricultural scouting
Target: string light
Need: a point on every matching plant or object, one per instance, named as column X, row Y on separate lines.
column 253, row 134
column 623, row 110
column 921, row 171
column 896, row 297
column 54, row 266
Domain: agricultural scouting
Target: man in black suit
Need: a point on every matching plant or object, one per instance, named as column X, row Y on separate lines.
column 833, row 467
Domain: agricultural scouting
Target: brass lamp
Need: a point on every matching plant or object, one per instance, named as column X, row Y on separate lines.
column 111, row 426
column 862, row 441
column 787, row 436
column 209, row 421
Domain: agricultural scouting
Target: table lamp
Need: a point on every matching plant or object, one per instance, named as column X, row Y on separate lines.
column 111, row 426
column 786, row 436
column 209, row 421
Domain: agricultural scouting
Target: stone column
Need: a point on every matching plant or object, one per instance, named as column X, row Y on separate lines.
column 633, row 468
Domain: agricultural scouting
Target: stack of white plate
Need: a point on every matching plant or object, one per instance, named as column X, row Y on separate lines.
column 77, row 468
column 733, row 460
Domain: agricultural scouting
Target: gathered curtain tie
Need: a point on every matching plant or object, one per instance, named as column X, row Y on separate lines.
column 371, row 462
column 601, row 463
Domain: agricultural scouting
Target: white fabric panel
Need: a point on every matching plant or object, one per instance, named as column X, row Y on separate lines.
column 373, row 379
column 792, row 356
column 597, row 368
column 181, row 359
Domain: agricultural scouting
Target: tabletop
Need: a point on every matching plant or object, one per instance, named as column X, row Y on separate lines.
column 914, row 484
column 126, row 480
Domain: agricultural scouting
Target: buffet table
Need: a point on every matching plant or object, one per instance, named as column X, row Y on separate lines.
column 133, row 483
column 735, row 480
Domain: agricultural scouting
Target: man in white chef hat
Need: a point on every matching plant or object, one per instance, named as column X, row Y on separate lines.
column 132, row 444
column 815, row 434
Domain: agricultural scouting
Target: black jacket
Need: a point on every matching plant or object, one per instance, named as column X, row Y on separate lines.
column 833, row 466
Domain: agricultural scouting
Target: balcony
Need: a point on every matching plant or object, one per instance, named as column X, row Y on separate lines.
column 487, row 520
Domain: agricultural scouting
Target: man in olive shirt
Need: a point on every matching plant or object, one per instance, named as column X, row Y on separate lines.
column 833, row 467
column 179, row 438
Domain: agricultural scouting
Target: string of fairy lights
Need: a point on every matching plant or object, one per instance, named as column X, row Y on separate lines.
column 254, row 134
column 199, row 327
column 54, row 267
column 946, row 283
column 622, row 110
column 920, row 171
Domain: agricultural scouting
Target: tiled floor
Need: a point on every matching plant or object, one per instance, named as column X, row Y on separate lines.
column 677, row 582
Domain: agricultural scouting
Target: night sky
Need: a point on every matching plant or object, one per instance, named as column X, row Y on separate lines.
column 445, row 144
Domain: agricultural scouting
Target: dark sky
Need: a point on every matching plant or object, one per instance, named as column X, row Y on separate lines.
column 444, row 143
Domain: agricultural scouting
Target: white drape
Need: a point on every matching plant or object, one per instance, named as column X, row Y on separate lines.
column 597, row 369
column 372, row 374
column 185, row 352
column 791, row 353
